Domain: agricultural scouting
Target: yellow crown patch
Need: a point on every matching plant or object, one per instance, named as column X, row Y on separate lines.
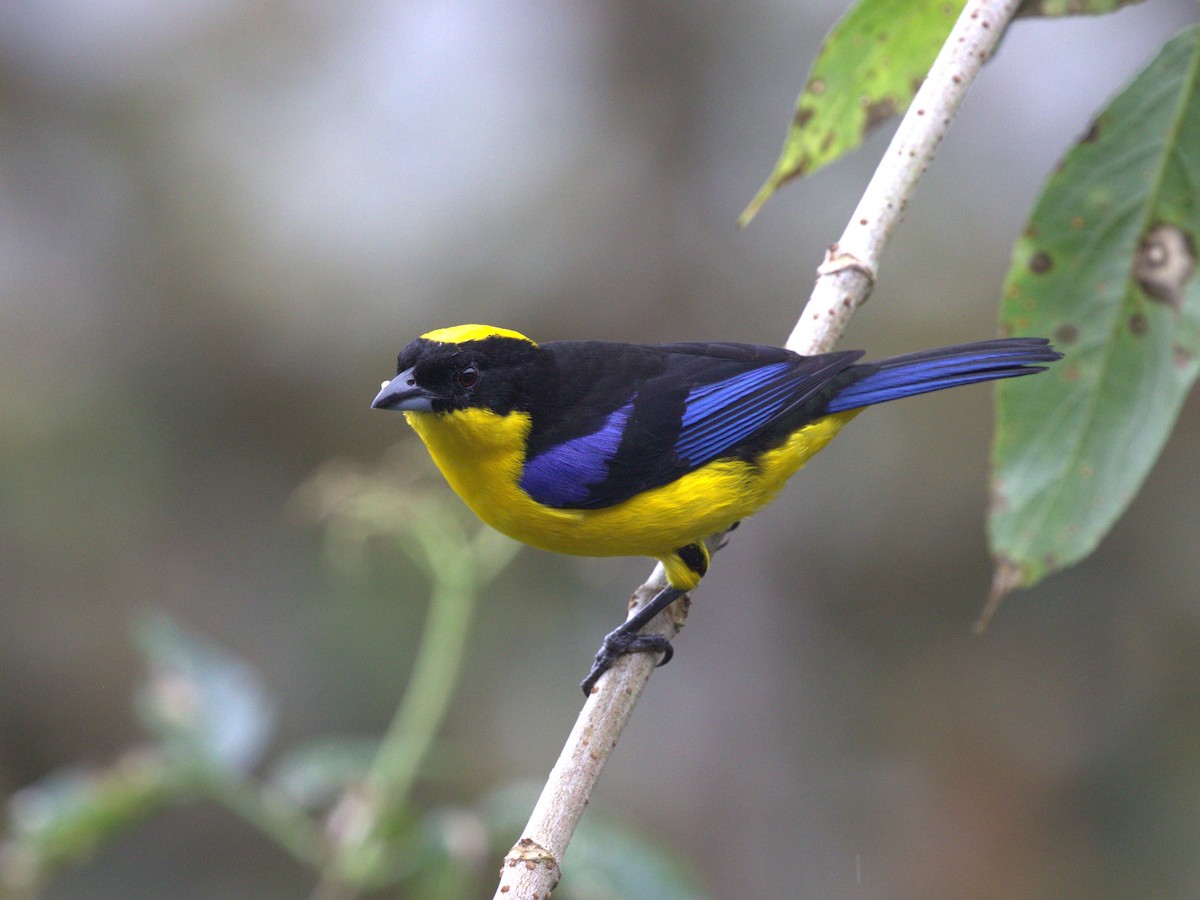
column 458, row 334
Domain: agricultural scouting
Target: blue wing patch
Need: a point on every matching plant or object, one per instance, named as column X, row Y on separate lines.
column 563, row 475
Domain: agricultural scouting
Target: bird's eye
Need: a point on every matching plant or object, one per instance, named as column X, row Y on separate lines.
column 468, row 376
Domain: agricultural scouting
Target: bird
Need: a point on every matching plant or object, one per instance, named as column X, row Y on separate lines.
column 601, row 448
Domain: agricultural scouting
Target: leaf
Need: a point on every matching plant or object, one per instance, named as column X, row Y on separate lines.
column 1106, row 268
column 200, row 701
column 867, row 71
column 1071, row 7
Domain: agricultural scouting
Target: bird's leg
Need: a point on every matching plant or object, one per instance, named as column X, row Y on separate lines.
column 625, row 638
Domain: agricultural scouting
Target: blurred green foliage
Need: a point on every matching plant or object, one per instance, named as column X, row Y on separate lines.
column 341, row 806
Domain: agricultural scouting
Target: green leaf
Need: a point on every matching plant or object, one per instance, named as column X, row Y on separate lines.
column 1071, row 7
column 1106, row 268
column 201, row 702
column 867, row 72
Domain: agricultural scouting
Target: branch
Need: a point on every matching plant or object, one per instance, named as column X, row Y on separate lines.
column 846, row 277
column 531, row 869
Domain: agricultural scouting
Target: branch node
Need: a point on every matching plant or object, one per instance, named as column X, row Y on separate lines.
column 838, row 261
column 528, row 854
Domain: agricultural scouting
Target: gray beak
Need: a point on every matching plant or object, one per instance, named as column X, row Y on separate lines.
column 403, row 393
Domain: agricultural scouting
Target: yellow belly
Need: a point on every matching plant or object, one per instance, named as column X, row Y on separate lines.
column 481, row 454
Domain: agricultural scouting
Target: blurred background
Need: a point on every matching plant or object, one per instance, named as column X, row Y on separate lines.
column 220, row 221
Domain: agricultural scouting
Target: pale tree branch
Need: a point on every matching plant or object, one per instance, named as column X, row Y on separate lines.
column 531, row 868
column 844, row 281
column 847, row 275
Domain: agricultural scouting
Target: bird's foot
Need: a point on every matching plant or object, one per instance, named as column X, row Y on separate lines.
column 619, row 642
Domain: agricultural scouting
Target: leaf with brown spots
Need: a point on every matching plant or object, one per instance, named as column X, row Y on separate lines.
column 1107, row 267
column 867, row 72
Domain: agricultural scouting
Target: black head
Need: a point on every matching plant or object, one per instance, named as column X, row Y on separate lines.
column 467, row 366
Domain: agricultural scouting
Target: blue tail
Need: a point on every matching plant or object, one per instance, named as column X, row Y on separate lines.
column 933, row 370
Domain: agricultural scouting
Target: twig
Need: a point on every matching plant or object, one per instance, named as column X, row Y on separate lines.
column 845, row 279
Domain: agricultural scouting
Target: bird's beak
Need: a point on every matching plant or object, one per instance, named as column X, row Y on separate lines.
column 403, row 393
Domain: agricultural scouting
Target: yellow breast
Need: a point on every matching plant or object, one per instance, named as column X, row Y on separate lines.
column 482, row 455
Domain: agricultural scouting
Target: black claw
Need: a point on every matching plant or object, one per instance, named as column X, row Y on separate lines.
column 593, row 676
column 616, row 645
column 625, row 638
column 668, row 652
column 604, row 661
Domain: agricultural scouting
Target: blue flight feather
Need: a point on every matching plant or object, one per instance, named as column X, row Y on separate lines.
column 932, row 370
column 725, row 414
column 721, row 415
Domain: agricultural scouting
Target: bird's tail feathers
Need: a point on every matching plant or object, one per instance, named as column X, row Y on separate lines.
column 945, row 367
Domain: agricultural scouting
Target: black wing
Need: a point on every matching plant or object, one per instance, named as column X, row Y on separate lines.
column 625, row 418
